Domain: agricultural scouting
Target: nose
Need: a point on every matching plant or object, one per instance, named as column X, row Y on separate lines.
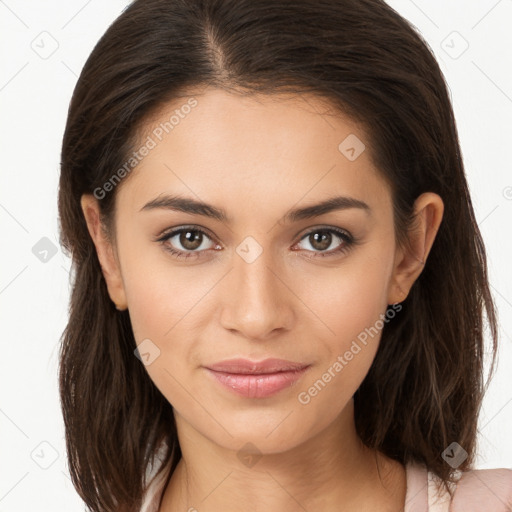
column 257, row 302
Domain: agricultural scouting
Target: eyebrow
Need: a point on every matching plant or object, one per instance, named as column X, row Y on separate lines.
column 194, row 207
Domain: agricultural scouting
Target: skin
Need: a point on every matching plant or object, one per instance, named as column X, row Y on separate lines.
column 257, row 158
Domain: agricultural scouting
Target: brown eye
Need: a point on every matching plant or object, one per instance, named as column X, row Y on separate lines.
column 190, row 239
column 186, row 242
column 320, row 240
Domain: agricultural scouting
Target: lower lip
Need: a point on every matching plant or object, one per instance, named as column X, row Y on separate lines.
column 258, row 386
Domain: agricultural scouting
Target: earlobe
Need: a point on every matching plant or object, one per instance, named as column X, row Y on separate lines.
column 410, row 260
column 108, row 262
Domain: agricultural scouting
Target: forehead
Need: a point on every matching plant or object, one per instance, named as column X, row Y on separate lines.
column 258, row 149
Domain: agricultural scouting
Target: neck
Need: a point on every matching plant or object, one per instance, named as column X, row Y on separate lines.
column 330, row 469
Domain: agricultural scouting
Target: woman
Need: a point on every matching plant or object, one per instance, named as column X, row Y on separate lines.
column 279, row 283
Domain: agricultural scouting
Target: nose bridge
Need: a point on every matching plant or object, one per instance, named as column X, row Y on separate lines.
column 256, row 279
column 257, row 302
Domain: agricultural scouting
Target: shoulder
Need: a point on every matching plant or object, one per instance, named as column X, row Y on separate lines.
column 483, row 489
column 477, row 490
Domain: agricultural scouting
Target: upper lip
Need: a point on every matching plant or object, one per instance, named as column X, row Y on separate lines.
column 248, row 367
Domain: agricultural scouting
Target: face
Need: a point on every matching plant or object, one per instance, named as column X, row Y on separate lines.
column 259, row 273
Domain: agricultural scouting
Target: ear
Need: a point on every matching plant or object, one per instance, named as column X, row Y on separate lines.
column 106, row 254
column 410, row 260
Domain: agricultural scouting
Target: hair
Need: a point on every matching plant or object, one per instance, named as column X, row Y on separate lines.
column 425, row 387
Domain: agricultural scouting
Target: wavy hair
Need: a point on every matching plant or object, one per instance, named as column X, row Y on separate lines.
column 425, row 387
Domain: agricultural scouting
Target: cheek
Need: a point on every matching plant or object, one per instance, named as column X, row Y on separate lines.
column 158, row 306
column 350, row 298
column 167, row 306
column 349, row 305
column 351, row 308
column 160, row 294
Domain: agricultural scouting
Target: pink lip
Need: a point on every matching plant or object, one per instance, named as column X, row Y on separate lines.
column 257, row 379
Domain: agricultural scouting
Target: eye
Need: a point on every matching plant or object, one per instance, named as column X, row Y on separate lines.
column 321, row 239
column 191, row 241
column 185, row 242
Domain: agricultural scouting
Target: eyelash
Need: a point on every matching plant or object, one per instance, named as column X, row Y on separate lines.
column 348, row 240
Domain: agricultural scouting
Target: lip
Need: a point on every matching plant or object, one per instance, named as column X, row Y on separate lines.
column 257, row 379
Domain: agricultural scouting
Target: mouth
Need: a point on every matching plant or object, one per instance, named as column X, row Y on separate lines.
column 257, row 379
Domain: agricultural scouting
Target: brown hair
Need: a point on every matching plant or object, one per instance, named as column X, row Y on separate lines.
column 425, row 387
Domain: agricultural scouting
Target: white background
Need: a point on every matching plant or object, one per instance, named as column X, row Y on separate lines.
column 34, row 97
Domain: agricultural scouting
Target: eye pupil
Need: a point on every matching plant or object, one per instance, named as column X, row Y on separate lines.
column 189, row 239
column 325, row 240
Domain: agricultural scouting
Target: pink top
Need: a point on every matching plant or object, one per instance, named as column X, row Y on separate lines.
column 478, row 490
